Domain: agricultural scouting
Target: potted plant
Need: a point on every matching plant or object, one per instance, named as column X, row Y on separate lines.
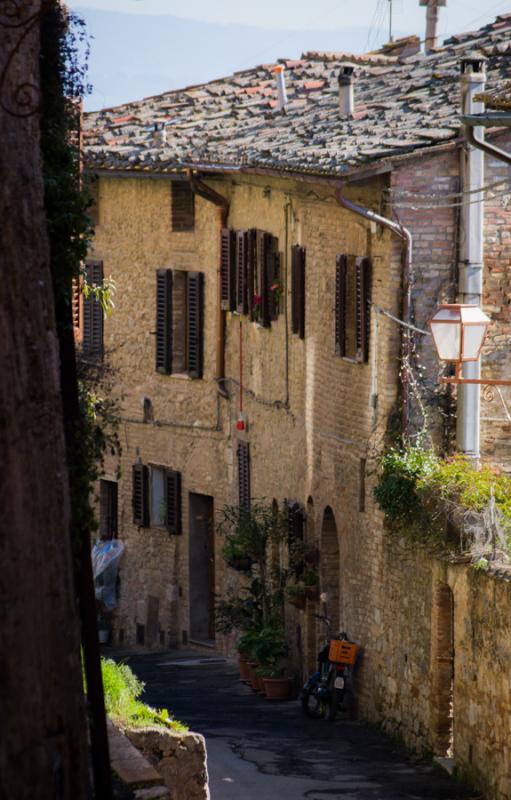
column 235, row 556
column 269, row 649
column 296, row 595
column 311, row 584
column 276, row 685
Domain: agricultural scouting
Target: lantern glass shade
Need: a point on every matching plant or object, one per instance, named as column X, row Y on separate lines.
column 459, row 331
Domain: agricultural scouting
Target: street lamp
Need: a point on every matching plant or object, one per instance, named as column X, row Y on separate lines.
column 459, row 332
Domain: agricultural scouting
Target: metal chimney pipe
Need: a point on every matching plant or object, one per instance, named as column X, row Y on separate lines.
column 346, row 94
column 281, row 87
column 432, row 22
column 470, row 283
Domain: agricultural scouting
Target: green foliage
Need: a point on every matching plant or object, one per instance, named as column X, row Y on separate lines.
column 420, row 492
column 122, row 691
column 249, row 531
column 103, row 293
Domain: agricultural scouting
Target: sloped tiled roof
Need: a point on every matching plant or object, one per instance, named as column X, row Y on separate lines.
column 402, row 103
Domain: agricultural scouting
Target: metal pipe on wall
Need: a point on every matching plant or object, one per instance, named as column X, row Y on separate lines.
column 470, row 281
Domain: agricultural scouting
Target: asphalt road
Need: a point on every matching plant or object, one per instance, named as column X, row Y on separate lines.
column 258, row 750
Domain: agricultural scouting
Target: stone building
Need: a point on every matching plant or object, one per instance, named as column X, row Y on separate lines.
column 255, row 347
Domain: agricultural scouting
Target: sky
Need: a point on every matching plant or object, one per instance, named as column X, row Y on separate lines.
column 145, row 47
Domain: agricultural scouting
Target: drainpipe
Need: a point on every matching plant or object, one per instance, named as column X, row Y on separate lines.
column 405, row 235
column 209, row 194
column 470, row 281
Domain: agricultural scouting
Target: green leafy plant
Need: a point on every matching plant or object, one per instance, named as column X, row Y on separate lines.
column 122, row 691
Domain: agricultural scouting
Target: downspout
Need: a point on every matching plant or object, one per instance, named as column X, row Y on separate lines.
column 209, row 194
column 470, row 280
column 404, row 234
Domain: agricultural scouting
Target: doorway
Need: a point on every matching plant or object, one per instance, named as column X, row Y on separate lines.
column 329, row 566
column 201, row 568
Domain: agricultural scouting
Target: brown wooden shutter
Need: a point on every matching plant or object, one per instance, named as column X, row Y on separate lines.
column 251, row 270
column 266, row 267
column 164, row 321
column 108, row 504
column 77, row 309
column 194, row 323
column 274, row 278
column 228, row 269
column 340, row 305
column 363, row 293
column 183, row 207
column 140, row 497
column 244, row 474
column 173, row 501
column 242, row 272
column 298, row 290
column 92, row 340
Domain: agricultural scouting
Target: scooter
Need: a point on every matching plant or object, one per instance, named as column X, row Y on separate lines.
column 329, row 690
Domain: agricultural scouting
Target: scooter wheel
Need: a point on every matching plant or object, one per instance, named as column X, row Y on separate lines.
column 312, row 705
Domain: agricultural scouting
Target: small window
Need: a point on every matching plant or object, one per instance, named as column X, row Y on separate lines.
column 179, row 322
column 183, row 207
column 108, row 509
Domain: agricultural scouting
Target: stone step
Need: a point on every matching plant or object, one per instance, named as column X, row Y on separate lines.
column 131, row 766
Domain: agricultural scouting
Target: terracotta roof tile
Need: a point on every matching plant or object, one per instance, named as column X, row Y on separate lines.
column 402, row 103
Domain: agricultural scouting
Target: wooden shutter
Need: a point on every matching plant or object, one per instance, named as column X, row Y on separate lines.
column 363, row 314
column 340, row 305
column 228, row 269
column 274, row 277
column 251, row 270
column 77, row 309
column 108, row 509
column 242, row 272
column 266, row 268
column 298, row 290
column 183, row 207
column 173, row 501
column 140, row 497
column 244, row 474
column 92, row 341
column 164, row 321
column 194, row 323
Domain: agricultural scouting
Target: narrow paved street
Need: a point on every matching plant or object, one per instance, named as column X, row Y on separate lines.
column 259, row 750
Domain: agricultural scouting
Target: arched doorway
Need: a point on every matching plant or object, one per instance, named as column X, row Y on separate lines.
column 311, row 632
column 329, row 566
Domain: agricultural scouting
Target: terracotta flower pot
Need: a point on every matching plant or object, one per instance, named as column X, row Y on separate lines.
column 297, row 600
column 252, row 677
column 260, row 684
column 240, row 564
column 244, row 672
column 277, row 688
column 312, row 592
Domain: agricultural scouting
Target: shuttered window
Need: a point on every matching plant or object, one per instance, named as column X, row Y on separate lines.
column 244, row 474
column 298, row 290
column 228, row 269
column 179, row 322
column 250, row 274
column 173, row 501
column 164, row 320
column 194, row 323
column 108, row 504
column 183, row 207
column 92, row 328
column 352, row 307
column 140, row 495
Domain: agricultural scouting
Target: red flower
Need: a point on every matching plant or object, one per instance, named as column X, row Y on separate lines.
column 257, row 300
column 275, row 287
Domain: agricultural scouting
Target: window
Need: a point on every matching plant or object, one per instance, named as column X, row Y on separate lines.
column 298, row 290
column 353, row 307
column 157, row 498
column 87, row 313
column 244, row 474
column 250, row 274
column 183, row 207
column 108, row 509
column 179, row 322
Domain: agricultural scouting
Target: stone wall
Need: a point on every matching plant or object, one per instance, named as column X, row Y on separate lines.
column 180, row 758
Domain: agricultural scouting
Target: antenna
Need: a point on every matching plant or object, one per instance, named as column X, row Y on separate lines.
column 390, row 21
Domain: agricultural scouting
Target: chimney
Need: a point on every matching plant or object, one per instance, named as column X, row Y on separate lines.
column 281, row 87
column 346, row 98
column 432, row 7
